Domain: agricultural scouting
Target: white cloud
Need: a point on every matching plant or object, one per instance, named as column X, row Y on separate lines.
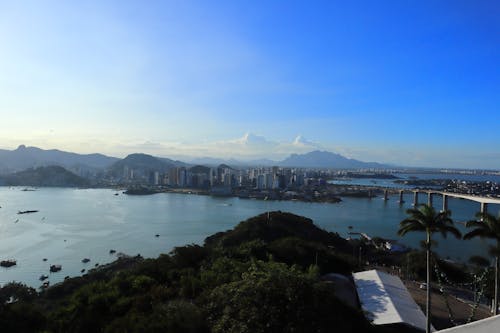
column 249, row 146
column 302, row 142
column 252, row 146
column 256, row 146
column 250, row 139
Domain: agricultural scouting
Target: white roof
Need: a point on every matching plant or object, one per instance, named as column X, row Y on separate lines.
column 488, row 325
column 387, row 300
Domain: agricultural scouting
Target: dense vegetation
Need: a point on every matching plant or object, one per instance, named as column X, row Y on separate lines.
column 44, row 176
column 262, row 276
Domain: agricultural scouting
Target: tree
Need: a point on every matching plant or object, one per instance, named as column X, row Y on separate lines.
column 14, row 291
column 272, row 297
column 426, row 219
column 488, row 226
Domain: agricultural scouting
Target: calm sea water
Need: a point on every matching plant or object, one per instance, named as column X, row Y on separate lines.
column 389, row 183
column 73, row 224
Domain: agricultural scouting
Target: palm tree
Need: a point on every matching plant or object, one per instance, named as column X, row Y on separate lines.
column 426, row 219
column 488, row 226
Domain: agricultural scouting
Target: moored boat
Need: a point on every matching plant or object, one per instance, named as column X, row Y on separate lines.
column 8, row 263
column 55, row 268
column 27, row 211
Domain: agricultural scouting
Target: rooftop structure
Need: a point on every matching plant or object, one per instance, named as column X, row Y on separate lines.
column 387, row 301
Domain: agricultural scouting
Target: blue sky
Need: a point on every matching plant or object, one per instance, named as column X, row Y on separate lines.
column 405, row 82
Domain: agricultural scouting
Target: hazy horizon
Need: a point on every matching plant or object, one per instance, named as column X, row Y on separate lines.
column 410, row 84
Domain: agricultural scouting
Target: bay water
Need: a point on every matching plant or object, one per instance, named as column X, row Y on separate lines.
column 72, row 224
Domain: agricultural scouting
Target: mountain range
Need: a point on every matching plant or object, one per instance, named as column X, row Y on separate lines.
column 144, row 162
column 24, row 158
column 325, row 159
column 44, row 176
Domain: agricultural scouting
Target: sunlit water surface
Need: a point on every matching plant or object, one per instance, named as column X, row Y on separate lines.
column 73, row 224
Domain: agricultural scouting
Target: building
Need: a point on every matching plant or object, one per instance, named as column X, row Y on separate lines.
column 261, row 182
column 386, row 301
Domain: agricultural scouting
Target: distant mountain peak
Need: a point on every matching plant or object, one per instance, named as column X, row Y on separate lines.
column 142, row 164
column 52, row 175
column 139, row 156
column 225, row 166
column 25, row 157
column 326, row 159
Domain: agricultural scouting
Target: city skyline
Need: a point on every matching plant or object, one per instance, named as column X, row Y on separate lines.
column 412, row 84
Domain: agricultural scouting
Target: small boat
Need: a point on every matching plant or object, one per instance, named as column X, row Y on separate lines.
column 27, row 211
column 85, row 260
column 43, row 277
column 112, row 251
column 157, row 235
column 83, row 270
column 45, row 285
column 55, row 268
column 8, row 263
column 117, row 193
column 44, row 259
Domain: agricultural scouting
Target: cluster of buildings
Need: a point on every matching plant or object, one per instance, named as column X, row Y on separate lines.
column 260, row 178
column 486, row 188
column 224, row 180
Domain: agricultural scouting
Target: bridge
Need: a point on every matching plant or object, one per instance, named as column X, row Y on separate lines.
column 483, row 201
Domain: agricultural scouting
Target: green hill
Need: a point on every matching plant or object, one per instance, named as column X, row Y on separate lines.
column 200, row 169
column 55, row 176
column 277, row 225
column 142, row 164
column 262, row 276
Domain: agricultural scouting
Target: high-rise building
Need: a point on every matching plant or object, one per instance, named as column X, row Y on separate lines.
column 181, row 177
column 269, row 179
column 261, row 182
column 172, row 177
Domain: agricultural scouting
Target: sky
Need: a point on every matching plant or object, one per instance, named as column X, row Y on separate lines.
column 412, row 83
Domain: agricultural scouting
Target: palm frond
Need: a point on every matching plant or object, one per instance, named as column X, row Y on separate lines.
column 474, row 223
column 485, row 216
column 487, row 226
column 481, row 233
column 409, row 228
column 425, row 218
column 452, row 230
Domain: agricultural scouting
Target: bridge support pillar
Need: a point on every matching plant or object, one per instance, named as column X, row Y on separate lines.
column 415, row 198
column 429, row 198
column 401, row 201
column 445, row 203
column 484, row 209
column 386, row 196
